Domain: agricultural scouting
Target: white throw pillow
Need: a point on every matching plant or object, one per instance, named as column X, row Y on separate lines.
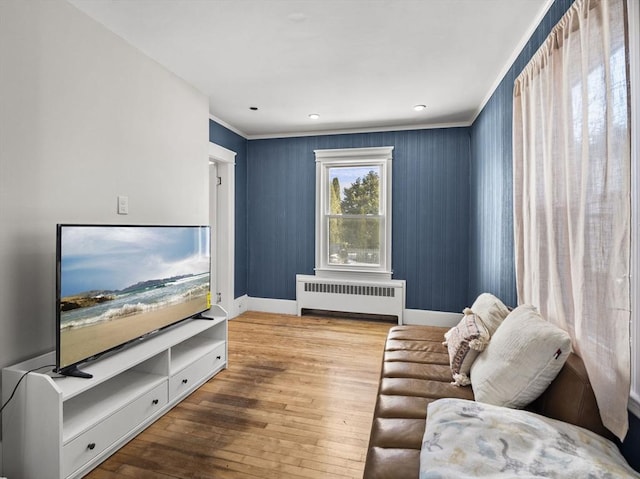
column 491, row 311
column 524, row 355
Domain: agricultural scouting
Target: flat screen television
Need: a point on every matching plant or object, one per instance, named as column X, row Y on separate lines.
column 117, row 284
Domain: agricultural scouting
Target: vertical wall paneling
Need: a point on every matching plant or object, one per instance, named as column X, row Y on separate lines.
column 430, row 212
column 491, row 264
column 491, row 257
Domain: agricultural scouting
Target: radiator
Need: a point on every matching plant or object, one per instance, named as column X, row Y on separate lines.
column 350, row 296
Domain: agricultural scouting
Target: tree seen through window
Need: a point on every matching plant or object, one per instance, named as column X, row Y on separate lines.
column 354, row 216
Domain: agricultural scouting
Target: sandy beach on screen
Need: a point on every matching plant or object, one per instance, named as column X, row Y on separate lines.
column 78, row 343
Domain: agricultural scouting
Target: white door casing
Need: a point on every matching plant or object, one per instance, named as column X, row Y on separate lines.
column 222, row 220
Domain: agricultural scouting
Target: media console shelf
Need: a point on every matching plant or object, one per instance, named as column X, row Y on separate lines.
column 62, row 427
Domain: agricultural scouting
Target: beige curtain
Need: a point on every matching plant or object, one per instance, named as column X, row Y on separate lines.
column 572, row 188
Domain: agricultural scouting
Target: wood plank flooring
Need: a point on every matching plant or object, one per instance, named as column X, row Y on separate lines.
column 295, row 402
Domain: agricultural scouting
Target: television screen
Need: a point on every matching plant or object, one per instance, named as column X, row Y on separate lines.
column 118, row 283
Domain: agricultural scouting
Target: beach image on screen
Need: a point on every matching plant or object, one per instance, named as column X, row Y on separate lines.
column 119, row 283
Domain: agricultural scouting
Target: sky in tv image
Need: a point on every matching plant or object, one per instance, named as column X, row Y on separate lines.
column 112, row 258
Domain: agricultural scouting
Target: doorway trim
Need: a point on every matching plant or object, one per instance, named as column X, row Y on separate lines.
column 225, row 161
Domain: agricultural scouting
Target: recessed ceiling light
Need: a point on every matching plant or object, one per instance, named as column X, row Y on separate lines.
column 314, row 116
column 419, row 107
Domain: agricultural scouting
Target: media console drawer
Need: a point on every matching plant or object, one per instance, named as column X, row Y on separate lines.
column 79, row 451
column 183, row 381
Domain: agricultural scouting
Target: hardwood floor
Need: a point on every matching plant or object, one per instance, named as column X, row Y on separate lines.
column 296, row 402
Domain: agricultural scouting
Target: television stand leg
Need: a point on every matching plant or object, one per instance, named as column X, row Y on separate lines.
column 73, row 371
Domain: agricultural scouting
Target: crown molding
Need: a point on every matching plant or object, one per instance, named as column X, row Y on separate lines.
column 221, row 122
column 349, row 131
column 511, row 60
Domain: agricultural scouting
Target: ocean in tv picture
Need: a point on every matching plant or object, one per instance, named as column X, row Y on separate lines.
column 94, row 307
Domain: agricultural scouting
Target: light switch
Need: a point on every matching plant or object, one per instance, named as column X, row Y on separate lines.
column 123, row 205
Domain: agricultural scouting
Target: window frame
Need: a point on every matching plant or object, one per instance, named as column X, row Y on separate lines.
column 353, row 157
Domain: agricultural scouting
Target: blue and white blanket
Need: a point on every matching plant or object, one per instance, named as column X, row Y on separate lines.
column 467, row 439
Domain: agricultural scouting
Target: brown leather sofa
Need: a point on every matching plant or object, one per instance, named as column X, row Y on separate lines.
column 415, row 372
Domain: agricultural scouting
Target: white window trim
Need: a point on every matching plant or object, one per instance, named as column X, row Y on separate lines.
column 352, row 157
column 634, row 59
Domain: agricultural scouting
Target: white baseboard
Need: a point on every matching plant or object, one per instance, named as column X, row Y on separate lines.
column 239, row 306
column 285, row 306
column 268, row 305
column 431, row 318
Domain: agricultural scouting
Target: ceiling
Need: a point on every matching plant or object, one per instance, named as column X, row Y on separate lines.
column 360, row 64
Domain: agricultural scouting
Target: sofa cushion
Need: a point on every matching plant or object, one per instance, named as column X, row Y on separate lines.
column 397, row 432
column 402, row 406
column 464, row 342
column 392, row 463
column 415, row 372
column 524, row 355
column 407, row 369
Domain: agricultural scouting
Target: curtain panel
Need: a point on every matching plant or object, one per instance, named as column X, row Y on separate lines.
column 572, row 190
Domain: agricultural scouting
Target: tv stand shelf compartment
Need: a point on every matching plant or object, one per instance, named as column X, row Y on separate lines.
column 65, row 426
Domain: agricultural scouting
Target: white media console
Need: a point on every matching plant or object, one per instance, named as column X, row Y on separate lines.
column 62, row 427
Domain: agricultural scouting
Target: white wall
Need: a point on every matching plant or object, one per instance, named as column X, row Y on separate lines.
column 84, row 117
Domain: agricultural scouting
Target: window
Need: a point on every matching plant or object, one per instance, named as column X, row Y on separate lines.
column 353, row 212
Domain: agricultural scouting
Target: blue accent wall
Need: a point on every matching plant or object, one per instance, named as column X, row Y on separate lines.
column 452, row 207
column 430, row 212
column 491, row 255
column 232, row 141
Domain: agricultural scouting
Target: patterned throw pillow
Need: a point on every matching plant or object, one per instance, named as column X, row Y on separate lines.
column 464, row 342
column 468, row 439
